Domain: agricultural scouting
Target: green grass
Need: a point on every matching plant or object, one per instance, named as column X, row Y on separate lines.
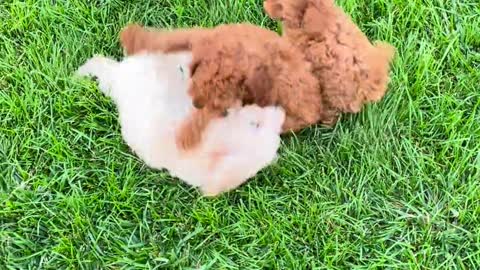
column 397, row 186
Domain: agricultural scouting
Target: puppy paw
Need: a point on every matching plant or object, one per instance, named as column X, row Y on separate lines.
column 128, row 37
column 208, row 191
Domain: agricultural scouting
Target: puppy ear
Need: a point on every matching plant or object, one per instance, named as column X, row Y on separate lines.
column 193, row 66
column 385, row 50
column 259, row 85
column 197, row 101
column 289, row 12
column 273, row 8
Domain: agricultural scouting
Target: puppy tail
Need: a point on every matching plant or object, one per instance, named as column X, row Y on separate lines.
column 381, row 58
column 386, row 50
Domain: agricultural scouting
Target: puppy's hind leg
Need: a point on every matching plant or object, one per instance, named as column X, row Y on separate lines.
column 103, row 69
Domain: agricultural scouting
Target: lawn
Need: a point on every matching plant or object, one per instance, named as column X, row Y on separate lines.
column 396, row 186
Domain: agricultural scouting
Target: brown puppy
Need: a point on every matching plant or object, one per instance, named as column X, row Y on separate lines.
column 236, row 63
column 351, row 70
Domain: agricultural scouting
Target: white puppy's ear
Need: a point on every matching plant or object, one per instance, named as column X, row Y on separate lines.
column 274, row 117
column 235, row 107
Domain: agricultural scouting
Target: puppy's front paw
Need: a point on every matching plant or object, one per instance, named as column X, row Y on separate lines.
column 209, row 191
column 128, row 37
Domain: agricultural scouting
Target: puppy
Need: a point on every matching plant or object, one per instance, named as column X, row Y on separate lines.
column 235, row 63
column 351, row 70
column 150, row 91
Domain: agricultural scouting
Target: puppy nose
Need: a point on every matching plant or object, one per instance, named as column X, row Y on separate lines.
column 198, row 104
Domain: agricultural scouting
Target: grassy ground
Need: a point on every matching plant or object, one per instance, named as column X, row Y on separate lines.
column 397, row 186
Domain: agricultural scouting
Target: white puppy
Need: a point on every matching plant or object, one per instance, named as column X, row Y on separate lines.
column 150, row 91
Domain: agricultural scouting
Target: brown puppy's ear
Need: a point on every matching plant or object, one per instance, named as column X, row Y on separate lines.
column 274, row 9
column 193, row 66
column 129, row 36
column 290, row 12
column 198, row 100
column 259, row 86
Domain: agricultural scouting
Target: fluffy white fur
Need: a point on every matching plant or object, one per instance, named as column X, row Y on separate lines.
column 150, row 91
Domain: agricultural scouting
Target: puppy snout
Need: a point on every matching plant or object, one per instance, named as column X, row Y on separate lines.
column 198, row 103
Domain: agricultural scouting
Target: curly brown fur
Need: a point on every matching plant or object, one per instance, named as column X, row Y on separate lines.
column 351, row 70
column 231, row 63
